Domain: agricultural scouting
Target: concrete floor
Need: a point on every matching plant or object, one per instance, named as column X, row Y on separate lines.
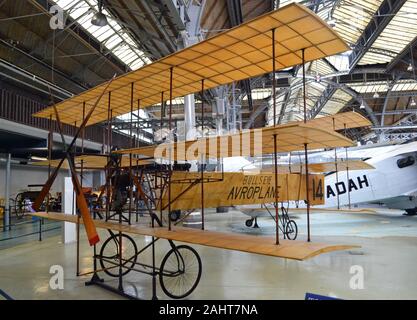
column 388, row 257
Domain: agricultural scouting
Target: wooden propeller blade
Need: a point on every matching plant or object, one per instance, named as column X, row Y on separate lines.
column 90, row 228
column 45, row 189
column 48, row 185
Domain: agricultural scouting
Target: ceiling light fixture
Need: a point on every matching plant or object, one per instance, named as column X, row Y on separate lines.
column 332, row 23
column 99, row 19
column 362, row 105
column 413, row 102
column 376, row 95
column 410, row 67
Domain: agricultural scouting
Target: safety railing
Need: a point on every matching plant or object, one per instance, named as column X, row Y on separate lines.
column 19, row 231
column 17, row 108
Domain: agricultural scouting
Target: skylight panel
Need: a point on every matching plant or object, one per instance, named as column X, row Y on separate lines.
column 111, row 36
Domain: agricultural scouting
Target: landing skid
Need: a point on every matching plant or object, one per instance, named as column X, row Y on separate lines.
column 96, row 280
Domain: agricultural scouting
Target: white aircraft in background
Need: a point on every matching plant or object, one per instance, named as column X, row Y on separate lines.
column 392, row 182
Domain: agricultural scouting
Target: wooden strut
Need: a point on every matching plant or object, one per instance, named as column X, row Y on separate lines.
column 305, row 145
column 276, row 191
column 336, row 167
column 202, row 155
column 108, row 178
column 130, row 155
column 162, row 111
column 90, row 228
column 347, row 168
column 81, row 201
column 50, row 142
column 161, row 175
column 171, row 71
column 137, row 158
column 307, row 193
column 78, row 216
column 275, row 139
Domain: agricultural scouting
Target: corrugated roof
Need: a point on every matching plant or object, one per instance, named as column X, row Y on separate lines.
column 338, row 101
column 401, row 30
column 113, row 36
column 371, row 87
column 352, row 17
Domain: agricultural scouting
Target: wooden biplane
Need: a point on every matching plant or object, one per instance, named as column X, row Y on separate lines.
column 289, row 36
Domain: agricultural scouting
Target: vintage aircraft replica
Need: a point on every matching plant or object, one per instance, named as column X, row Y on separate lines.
column 158, row 176
column 370, row 168
column 379, row 186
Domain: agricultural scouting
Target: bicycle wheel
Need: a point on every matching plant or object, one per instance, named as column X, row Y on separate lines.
column 20, row 206
column 291, row 230
column 180, row 272
column 109, row 255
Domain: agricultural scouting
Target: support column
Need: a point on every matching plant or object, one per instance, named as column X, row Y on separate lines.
column 69, row 233
column 190, row 37
column 6, row 215
column 189, row 117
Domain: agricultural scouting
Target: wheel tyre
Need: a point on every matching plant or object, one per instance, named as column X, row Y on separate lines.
column 411, row 212
column 291, row 230
column 249, row 223
column 175, row 215
column 112, row 272
column 161, row 272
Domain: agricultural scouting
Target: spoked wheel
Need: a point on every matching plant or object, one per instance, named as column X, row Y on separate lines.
column 20, row 204
column 180, row 272
column 291, row 230
column 249, row 223
column 109, row 255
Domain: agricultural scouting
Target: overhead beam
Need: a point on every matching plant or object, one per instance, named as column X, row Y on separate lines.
column 404, row 56
column 79, row 33
column 156, row 24
column 152, row 44
column 381, row 19
column 385, row 13
column 406, row 127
